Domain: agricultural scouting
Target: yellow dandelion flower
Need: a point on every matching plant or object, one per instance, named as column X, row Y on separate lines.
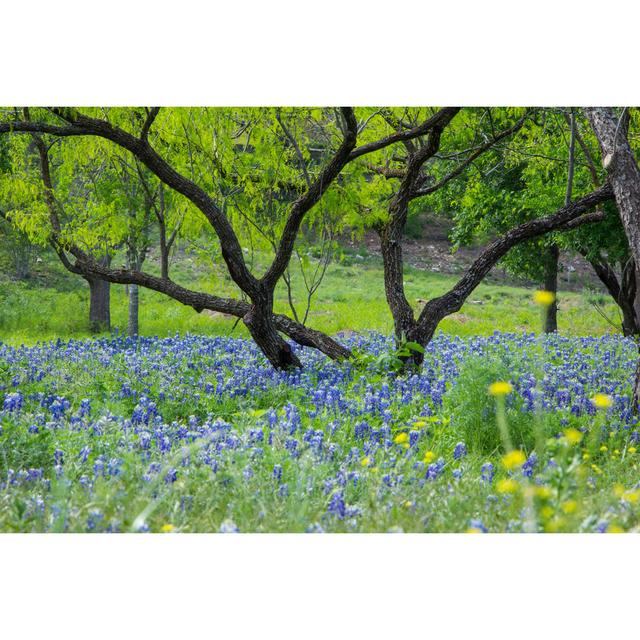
column 602, row 401
column 569, row 507
column 597, row 469
column 554, row 525
column 546, row 512
column 513, row 460
column 544, row 493
column 544, row 298
column 573, row 436
column 401, row 438
column 408, row 504
column 167, row 528
column 419, row 424
column 604, row 448
column 500, row 388
column 631, row 449
column 614, row 528
column 429, row 457
column 474, row 530
column 618, row 490
column 631, row 496
column 585, row 456
column 507, row 485
column 365, row 462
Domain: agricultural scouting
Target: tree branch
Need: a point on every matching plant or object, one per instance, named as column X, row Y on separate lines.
column 452, row 301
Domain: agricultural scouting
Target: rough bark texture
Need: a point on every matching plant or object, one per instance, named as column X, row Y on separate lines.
column 624, row 176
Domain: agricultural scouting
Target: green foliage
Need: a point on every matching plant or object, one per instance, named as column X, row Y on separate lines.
column 472, row 410
column 20, row 449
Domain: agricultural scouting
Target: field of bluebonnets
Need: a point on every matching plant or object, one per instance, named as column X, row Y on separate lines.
column 506, row 433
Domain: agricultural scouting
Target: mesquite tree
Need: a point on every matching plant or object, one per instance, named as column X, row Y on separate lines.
column 25, row 205
column 210, row 157
column 530, row 174
column 425, row 167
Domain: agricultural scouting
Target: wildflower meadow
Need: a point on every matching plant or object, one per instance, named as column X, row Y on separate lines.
column 504, row 433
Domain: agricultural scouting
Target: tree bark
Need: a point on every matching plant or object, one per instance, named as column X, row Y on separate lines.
column 132, row 316
column 551, row 284
column 624, row 176
column 259, row 321
column 99, row 304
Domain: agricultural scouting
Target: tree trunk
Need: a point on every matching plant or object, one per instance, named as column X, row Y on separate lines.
column 99, row 305
column 391, row 248
column 132, row 320
column 624, row 176
column 260, row 322
column 551, row 284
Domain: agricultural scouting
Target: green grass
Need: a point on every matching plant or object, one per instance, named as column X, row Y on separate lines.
column 351, row 298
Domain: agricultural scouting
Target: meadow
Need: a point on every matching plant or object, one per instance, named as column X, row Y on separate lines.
column 197, row 433
column 187, row 428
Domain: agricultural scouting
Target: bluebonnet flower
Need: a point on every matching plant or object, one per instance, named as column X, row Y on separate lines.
column 13, row 402
column 171, row 476
column 477, row 524
column 277, row 472
column 337, row 505
column 435, row 469
column 460, row 451
column 229, row 526
column 487, row 472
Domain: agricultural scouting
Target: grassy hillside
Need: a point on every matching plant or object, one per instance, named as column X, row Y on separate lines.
column 351, row 298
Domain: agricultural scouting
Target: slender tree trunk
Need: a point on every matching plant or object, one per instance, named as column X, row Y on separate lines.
column 99, row 305
column 553, row 254
column 551, row 284
column 132, row 319
column 164, row 252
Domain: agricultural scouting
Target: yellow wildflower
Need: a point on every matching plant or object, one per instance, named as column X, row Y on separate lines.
column 507, row 485
column 543, row 493
column 365, row 462
column 546, row 512
column 618, row 490
column 419, row 424
column 602, row 401
column 401, row 438
column 631, row 449
column 632, row 496
column 614, row 528
column 585, row 456
column 474, row 530
column 544, row 298
column 554, row 525
column 604, row 448
column 429, row 457
column 500, row 388
column 569, row 507
column 573, row 436
column 167, row 528
column 408, row 504
column 513, row 460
